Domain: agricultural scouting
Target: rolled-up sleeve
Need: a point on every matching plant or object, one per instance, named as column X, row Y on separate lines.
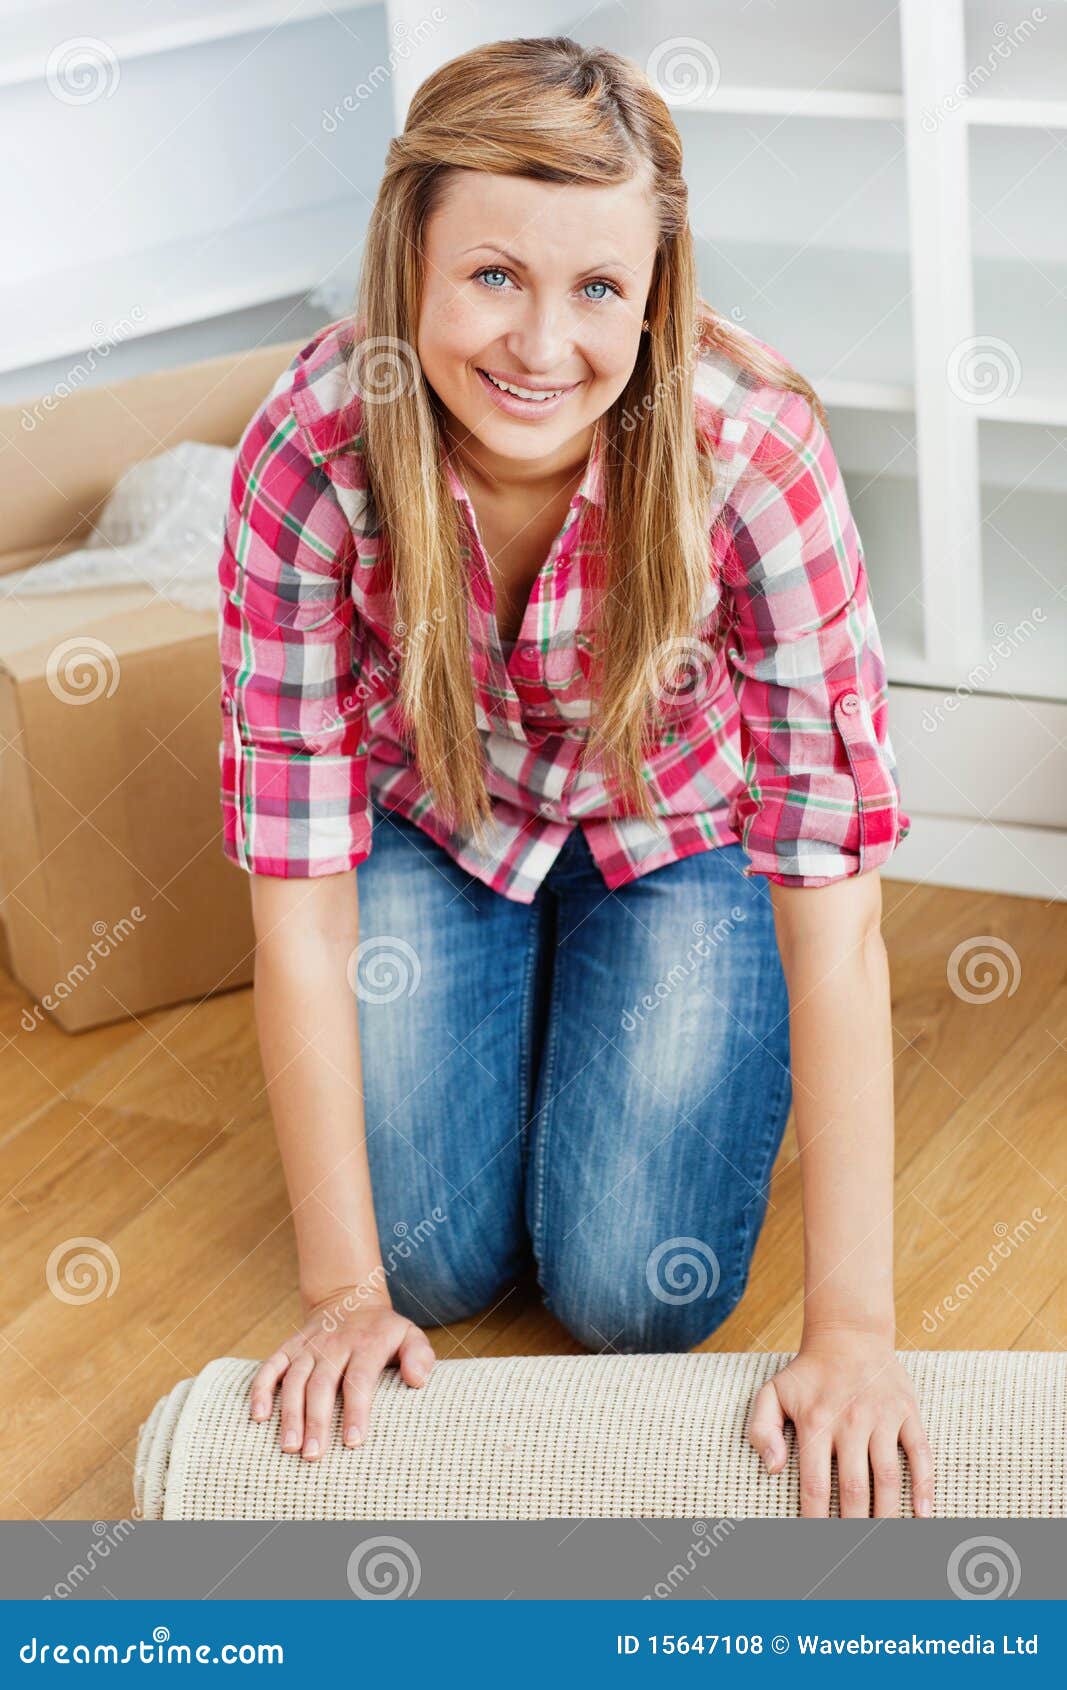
column 822, row 797
column 293, row 749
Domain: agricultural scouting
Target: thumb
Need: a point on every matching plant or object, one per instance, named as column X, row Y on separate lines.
column 416, row 1357
column 765, row 1427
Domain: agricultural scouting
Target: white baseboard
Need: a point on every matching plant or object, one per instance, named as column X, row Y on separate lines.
column 1027, row 862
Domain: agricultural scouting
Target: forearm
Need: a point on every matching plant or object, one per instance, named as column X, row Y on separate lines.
column 842, row 1066
column 306, row 1016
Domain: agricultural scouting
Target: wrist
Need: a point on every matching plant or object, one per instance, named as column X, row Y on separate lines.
column 369, row 1292
column 876, row 1328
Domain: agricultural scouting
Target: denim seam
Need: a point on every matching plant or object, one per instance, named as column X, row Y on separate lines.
column 542, row 1131
column 526, row 1011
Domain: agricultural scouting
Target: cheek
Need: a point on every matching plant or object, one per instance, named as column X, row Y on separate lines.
column 611, row 350
column 447, row 330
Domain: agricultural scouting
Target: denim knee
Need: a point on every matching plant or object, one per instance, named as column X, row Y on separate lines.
column 629, row 1312
column 430, row 1295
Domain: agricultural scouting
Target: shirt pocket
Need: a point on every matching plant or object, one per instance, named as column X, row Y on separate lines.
column 566, row 670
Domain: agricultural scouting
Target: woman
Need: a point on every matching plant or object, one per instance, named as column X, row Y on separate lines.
column 613, row 910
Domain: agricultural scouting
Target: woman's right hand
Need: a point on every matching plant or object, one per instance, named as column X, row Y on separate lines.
column 345, row 1339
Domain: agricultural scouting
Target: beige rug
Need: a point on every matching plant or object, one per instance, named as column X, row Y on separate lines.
column 535, row 1437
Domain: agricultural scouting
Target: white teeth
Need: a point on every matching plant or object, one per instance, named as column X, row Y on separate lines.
column 522, row 392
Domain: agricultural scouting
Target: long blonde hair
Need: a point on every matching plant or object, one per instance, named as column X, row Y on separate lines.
column 549, row 109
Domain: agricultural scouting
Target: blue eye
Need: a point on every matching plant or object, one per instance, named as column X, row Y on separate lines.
column 492, row 270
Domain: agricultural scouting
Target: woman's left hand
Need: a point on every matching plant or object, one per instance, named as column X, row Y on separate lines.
column 845, row 1390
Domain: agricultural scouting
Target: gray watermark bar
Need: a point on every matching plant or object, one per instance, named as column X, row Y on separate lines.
column 503, row 1560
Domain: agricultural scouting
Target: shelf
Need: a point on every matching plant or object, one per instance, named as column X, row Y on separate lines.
column 798, row 102
column 178, row 284
column 1017, row 114
column 1014, row 59
column 1020, row 275
column 131, row 32
column 1024, row 563
column 845, row 49
column 857, row 351
column 886, row 512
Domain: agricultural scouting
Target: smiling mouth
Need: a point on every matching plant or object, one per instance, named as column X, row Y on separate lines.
column 537, row 395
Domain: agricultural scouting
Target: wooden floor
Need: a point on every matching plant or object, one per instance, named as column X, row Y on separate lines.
column 155, row 1137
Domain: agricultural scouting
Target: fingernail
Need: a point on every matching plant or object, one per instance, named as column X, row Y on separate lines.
column 768, row 1456
column 311, row 1447
column 291, row 1440
column 923, row 1505
column 259, row 1408
column 420, row 1375
column 353, row 1435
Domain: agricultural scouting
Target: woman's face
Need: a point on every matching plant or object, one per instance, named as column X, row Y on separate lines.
column 542, row 286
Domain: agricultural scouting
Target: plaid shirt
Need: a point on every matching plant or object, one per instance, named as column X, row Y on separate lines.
column 784, row 747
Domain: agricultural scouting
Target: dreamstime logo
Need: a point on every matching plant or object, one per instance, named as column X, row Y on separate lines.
column 372, row 676
column 1007, row 39
column 106, row 1536
column 82, row 1269
column 989, row 970
column 383, row 1569
column 681, row 674
column 81, row 670
column 385, row 369
column 983, row 369
column 682, row 1269
column 1007, row 641
column 103, row 344
column 683, row 70
column 407, row 37
column 629, row 419
column 82, row 70
column 107, row 939
column 632, row 1018
column 383, row 968
column 983, row 1569
column 1009, row 1239
column 699, row 1550
column 406, row 1241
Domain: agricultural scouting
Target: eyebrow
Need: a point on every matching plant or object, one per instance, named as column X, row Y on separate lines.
column 490, row 246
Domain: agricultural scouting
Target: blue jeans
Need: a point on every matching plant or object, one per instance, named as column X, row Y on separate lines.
column 593, row 1086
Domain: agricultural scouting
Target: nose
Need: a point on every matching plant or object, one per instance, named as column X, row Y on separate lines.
column 538, row 340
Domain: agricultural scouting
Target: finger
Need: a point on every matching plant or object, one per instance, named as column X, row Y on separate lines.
column 766, row 1426
column 292, row 1426
column 261, row 1387
column 921, row 1462
column 885, row 1465
column 319, row 1399
column 416, row 1357
column 853, row 1477
column 361, row 1377
column 814, row 1445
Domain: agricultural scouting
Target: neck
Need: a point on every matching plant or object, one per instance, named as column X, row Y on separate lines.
column 490, row 473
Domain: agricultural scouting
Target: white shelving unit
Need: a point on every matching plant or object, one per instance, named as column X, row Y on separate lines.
column 879, row 192
column 173, row 166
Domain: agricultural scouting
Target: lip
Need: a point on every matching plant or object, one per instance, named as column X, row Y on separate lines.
column 526, row 408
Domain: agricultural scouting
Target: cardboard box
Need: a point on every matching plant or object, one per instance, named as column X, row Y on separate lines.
column 116, row 897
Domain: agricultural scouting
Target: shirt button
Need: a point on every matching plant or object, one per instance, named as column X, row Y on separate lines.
column 849, row 702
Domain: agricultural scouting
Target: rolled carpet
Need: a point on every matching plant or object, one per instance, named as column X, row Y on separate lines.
column 590, row 1436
